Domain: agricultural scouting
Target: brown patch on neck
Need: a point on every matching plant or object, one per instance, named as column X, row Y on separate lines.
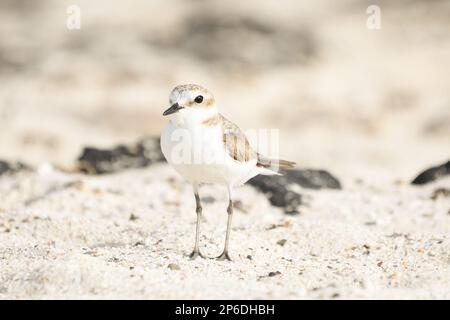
column 213, row 121
column 210, row 102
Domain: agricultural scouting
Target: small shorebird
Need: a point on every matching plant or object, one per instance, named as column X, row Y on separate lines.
column 205, row 147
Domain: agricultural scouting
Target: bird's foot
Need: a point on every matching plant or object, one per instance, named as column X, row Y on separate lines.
column 195, row 254
column 224, row 256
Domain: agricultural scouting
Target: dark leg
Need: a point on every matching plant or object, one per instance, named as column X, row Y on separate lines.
column 196, row 253
column 225, row 255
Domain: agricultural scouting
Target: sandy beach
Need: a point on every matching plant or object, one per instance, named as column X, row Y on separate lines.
column 128, row 235
column 371, row 107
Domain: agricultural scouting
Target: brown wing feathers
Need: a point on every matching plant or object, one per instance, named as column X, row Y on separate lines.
column 239, row 148
column 235, row 142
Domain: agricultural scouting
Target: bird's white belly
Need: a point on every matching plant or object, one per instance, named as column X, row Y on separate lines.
column 199, row 155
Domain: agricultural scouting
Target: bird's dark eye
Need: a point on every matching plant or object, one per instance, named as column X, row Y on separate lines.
column 198, row 99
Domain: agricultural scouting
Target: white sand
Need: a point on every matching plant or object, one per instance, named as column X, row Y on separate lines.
column 365, row 241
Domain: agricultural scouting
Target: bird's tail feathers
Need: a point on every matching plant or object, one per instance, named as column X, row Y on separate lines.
column 269, row 166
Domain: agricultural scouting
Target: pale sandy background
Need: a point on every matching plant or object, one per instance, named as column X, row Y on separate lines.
column 371, row 107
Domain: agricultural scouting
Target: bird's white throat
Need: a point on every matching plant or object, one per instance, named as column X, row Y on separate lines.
column 189, row 117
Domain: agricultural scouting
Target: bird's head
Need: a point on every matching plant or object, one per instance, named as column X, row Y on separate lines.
column 191, row 101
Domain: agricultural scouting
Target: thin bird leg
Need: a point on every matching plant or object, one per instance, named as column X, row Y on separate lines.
column 225, row 255
column 196, row 253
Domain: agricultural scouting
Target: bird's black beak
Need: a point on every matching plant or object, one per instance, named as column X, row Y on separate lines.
column 174, row 108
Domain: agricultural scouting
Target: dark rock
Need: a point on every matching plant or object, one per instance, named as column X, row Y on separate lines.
column 246, row 40
column 306, row 178
column 133, row 217
column 274, row 273
column 432, row 174
column 174, row 266
column 311, row 179
column 7, row 167
column 278, row 187
column 289, row 200
column 98, row 161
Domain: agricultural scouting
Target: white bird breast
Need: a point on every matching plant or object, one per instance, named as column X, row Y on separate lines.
column 197, row 152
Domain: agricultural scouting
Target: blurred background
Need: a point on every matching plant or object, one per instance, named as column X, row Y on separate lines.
column 355, row 101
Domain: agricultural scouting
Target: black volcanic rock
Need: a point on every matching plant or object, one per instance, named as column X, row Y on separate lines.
column 7, row 167
column 100, row 161
column 278, row 187
column 432, row 174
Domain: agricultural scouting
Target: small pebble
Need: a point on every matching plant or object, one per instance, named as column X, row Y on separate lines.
column 133, row 217
column 281, row 242
column 174, row 266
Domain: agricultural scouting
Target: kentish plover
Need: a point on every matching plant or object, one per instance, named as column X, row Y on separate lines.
column 205, row 147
